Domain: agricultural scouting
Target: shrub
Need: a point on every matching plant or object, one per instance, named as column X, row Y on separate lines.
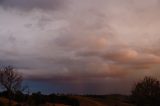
column 147, row 92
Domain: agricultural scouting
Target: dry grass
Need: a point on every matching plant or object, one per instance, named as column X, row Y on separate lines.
column 5, row 101
column 61, row 105
column 85, row 101
column 89, row 101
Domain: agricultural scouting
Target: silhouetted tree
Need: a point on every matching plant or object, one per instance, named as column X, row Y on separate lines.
column 10, row 80
column 147, row 92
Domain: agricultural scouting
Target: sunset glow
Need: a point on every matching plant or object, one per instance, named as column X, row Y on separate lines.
column 81, row 46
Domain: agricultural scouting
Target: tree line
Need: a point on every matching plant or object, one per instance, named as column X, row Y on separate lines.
column 144, row 93
column 11, row 83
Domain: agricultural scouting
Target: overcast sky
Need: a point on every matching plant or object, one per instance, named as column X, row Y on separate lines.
column 81, row 46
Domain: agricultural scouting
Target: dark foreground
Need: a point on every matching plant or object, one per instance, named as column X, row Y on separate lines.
column 37, row 99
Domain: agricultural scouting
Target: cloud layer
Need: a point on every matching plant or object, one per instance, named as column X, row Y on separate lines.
column 87, row 43
column 31, row 4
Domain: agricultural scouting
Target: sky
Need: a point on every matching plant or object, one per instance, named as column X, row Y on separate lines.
column 81, row 46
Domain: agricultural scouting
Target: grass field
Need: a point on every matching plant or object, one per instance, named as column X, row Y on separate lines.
column 105, row 101
column 87, row 101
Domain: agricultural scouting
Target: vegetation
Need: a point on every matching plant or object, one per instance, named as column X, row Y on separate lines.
column 144, row 93
column 147, row 92
column 10, row 80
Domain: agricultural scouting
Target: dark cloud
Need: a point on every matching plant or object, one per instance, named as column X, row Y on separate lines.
column 32, row 4
column 88, row 85
column 90, row 43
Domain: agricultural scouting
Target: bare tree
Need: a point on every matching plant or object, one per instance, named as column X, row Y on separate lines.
column 10, row 80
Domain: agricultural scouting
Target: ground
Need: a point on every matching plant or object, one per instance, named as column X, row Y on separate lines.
column 88, row 101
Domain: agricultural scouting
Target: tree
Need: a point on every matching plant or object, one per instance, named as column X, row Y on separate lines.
column 10, row 80
column 147, row 92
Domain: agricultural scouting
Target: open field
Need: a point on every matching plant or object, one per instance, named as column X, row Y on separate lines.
column 87, row 101
column 102, row 101
column 61, row 105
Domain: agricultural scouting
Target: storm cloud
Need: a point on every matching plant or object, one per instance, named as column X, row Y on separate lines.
column 31, row 4
column 84, row 43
